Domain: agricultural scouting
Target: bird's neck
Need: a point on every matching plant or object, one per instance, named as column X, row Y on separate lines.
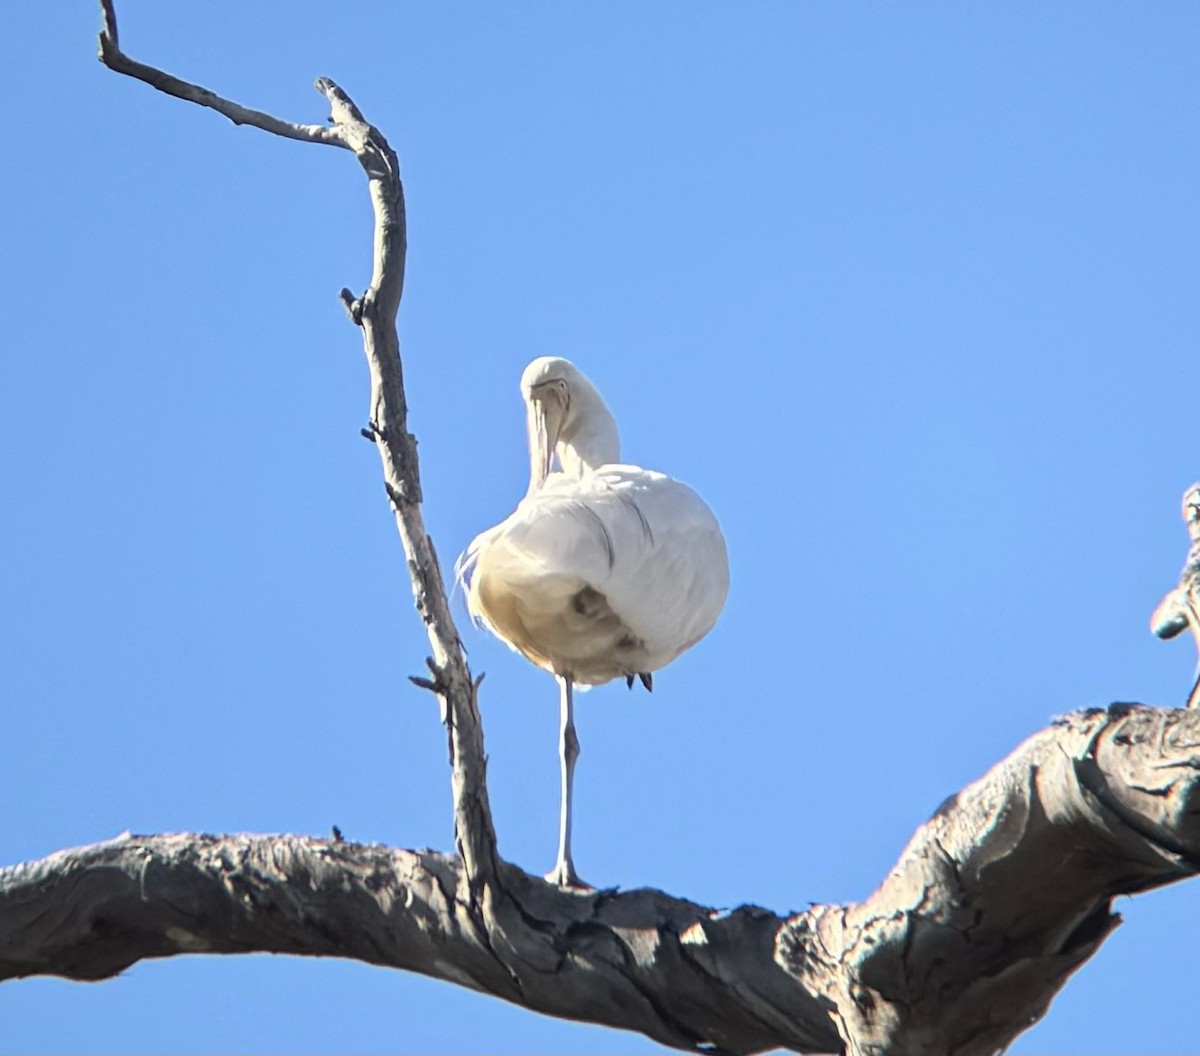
column 592, row 442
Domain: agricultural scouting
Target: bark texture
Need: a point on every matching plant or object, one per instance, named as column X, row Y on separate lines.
column 997, row 899
column 1008, row 888
column 682, row 974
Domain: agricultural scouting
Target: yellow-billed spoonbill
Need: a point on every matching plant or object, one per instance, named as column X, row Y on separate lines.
column 1180, row 609
column 603, row 571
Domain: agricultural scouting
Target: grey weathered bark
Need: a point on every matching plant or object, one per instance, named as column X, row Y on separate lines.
column 995, row 902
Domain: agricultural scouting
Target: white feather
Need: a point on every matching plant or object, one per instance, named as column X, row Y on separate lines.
column 644, row 543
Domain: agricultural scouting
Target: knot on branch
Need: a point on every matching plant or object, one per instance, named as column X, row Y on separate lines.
column 1141, row 767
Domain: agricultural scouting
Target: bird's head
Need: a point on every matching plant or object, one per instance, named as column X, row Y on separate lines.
column 1191, row 510
column 546, row 388
column 564, row 414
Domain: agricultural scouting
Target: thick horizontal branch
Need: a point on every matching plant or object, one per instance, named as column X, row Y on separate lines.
column 998, row 898
column 678, row 972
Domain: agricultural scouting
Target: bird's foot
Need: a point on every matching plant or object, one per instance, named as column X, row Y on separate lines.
column 563, row 875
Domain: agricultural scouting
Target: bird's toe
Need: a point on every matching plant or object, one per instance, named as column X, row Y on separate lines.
column 564, row 876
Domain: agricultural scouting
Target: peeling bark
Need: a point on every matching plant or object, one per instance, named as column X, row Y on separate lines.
column 995, row 902
column 997, row 899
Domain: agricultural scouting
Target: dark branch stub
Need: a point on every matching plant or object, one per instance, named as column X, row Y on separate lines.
column 437, row 684
column 353, row 306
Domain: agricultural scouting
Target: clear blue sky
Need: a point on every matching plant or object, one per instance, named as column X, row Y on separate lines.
column 907, row 291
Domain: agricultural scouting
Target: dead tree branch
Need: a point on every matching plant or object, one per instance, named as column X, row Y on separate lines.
column 642, row 960
column 375, row 312
column 998, row 898
column 995, row 902
column 112, row 57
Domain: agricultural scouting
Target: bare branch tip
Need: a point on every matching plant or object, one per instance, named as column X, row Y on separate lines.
column 108, row 35
column 339, row 102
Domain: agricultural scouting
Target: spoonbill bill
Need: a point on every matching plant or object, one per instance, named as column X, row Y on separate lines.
column 603, row 571
column 1180, row 609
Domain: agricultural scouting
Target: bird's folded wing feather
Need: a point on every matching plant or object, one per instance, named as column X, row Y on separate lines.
column 646, row 542
column 671, row 573
column 1171, row 616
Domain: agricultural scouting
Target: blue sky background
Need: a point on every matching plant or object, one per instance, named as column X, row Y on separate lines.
column 906, row 291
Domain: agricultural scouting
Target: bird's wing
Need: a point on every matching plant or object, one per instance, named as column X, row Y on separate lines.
column 670, row 574
column 1170, row 617
column 522, row 575
column 647, row 543
column 555, row 531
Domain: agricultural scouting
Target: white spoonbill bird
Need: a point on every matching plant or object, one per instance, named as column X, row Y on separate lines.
column 1180, row 609
column 603, row 571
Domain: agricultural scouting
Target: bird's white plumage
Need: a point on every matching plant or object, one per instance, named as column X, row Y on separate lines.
column 1179, row 610
column 603, row 570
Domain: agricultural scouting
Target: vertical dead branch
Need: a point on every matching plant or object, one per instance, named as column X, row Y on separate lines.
column 375, row 312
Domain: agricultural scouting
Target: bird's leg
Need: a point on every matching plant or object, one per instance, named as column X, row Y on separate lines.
column 564, row 874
